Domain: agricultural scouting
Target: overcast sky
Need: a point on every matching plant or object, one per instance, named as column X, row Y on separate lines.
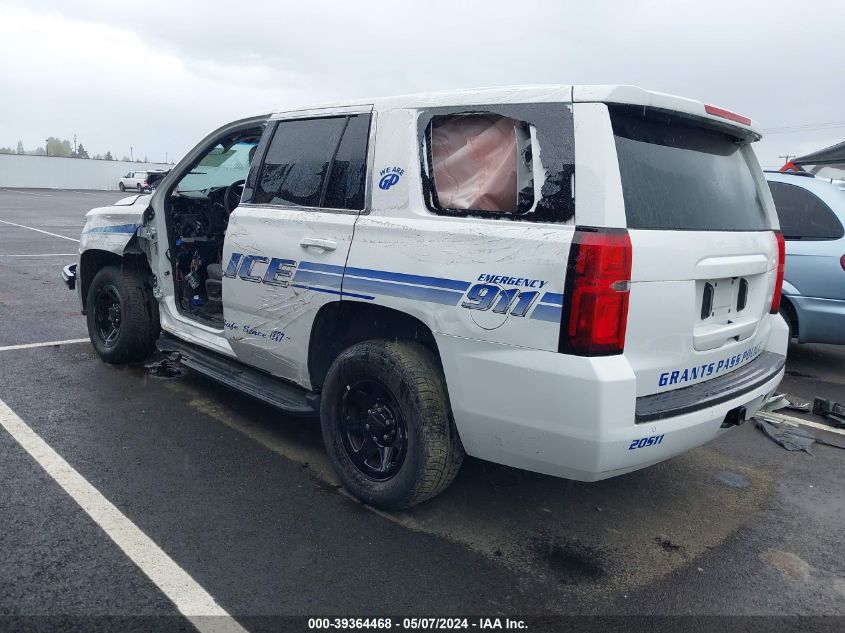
column 158, row 76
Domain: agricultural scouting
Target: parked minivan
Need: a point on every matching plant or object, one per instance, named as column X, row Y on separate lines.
column 579, row 281
column 812, row 215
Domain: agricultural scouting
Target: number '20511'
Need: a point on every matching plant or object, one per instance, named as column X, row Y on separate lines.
column 645, row 441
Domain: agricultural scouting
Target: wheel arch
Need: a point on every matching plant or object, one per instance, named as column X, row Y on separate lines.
column 93, row 260
column 340, row 324
column 791, row 313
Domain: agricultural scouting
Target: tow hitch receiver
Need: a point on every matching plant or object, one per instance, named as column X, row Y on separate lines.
column 734, row 417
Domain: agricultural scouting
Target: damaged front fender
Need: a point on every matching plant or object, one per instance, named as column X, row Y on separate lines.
column 111, row 228
column 109, row 235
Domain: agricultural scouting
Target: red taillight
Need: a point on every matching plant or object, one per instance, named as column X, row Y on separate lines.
column 595, row 307
column 779, row 279
column 726, row 114
column 842, row 262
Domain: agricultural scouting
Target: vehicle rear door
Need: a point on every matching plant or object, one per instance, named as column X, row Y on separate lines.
column 287, row 243
column 699, row 217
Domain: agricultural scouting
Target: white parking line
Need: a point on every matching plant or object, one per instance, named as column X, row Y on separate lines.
column 190, row 598
column 27, row 193
column 47, row 344
column 64, row 237
column 41, row 255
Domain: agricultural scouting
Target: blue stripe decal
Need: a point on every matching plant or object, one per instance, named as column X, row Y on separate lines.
column 320, row 279
column 323, row 268
column 552, row 298
column 118, row 228
column 419, row 280
column 357, row 296
column 415, row 293
column 333, row 292
column 547, row 313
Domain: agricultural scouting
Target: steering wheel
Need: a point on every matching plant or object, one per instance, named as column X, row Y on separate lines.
column 232, row 197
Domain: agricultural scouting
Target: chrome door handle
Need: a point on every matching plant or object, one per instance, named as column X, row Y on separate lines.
column 326, row 245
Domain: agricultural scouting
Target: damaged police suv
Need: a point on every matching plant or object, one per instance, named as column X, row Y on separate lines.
column 579, row 281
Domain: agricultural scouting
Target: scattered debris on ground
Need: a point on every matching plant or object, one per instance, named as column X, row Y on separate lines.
column 792, row 438
column 785, row 401
column 167, row 367
column 784, row 430
column 831, row 411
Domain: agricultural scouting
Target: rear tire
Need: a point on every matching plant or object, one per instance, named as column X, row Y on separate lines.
column 395, row 391
column 121, row 186
column 122, row 316
column 140, row 188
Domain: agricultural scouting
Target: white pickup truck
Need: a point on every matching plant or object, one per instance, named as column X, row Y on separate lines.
column 575, row 280
column 133, row 180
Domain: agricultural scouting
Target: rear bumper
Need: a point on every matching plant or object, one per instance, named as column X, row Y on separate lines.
column 819, row 320
column 69, row 276
column 575, row 417
column 731, row 386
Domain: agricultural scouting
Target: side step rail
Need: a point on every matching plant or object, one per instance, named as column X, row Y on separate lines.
column 253, row 382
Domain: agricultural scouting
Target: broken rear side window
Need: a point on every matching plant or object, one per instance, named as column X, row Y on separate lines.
column 508, row 161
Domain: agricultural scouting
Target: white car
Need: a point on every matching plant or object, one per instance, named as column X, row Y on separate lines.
column 579, row 281
column 133, row 180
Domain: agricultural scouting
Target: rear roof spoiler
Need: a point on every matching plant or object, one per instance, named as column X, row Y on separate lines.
column 631, row 95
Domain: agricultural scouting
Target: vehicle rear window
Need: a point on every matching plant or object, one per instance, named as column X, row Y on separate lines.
column 680, row 176
column 803, row 216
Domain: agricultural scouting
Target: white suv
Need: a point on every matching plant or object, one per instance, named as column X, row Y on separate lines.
column 579, row 281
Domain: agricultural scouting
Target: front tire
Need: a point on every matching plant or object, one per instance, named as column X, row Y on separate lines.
column 122, row 316
column 387, row 424
column 121, row 186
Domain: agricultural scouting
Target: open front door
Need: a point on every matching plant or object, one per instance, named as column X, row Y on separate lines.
column 287, row 243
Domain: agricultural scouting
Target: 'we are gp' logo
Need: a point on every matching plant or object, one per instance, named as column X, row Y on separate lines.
column 389, row 176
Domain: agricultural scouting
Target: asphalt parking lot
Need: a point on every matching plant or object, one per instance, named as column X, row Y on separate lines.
column 243, row 500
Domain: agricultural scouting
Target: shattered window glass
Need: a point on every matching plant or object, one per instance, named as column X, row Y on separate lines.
column 502, row 161
column 315, row 163
column 297, row 162
column 345, row 189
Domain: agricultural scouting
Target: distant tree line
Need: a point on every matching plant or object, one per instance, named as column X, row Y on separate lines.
column 64, row 149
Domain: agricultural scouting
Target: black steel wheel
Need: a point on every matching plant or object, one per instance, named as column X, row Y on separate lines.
column 122, row 315
column 107, row 314
column 387, row 424
column 372, row 429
